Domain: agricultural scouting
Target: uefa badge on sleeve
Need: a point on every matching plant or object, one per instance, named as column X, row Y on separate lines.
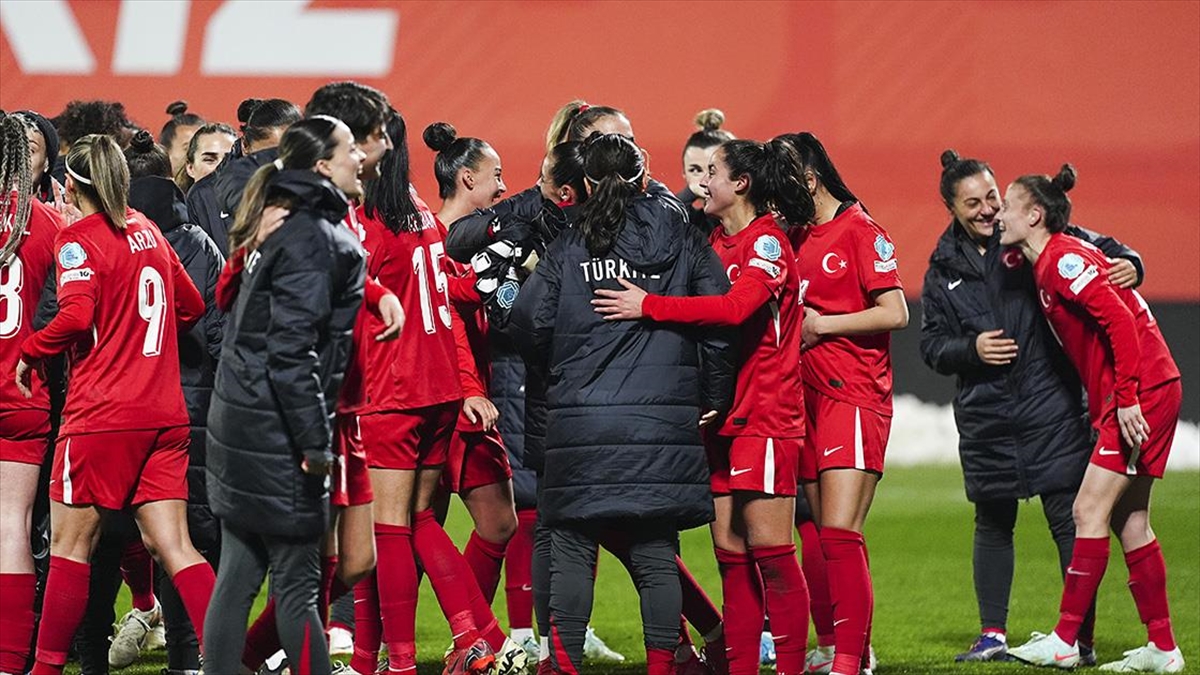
column 1070, row 266
column 768, row 248
column 71, row 255
column 886, row 251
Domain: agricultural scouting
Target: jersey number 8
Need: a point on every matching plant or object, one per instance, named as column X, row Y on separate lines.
column 11, row 282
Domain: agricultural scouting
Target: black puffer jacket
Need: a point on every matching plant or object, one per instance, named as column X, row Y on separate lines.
column 286, row 346
column 623, row 398
column 162, row 201
column 1023, row 427
column 206, row 211
column 508, row 394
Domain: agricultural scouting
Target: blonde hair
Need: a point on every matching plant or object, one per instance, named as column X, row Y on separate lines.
column 100, row 173
column 559, row 124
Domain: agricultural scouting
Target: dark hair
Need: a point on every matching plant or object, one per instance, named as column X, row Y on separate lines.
column 264, row 116
column 38, row 122
column 389, row 197
column 566, row 167
column 616, row 170
column 814, row 158
column 100, row 174
column 1051, row 194
column 453, row 153
column 147, row 158
column 710, row 133
column 180, row 117
column 776, row 178
column 182, row 179
column 582, row 123
column 15, row 176
column 81, row 118
column 955, row 169
column 364, row 109
column 304, row 144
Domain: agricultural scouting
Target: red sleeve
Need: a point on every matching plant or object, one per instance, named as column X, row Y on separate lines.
column 230, row 280
column 76, row 313
column 463, row 293
column 748, row 294
column 875, row 260
column 468, row 372
column 1092, row 291
column 373, row 292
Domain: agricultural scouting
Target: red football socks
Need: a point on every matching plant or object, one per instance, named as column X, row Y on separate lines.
column 449, row 576
column 397, row 585
column 137, row 568
column 787, row 604
column 659, row 661
column 518, row 572
column 1088, row 562
column 195, row 586
column 812, row 562
column 368, row 628
column 485, row 559
column 62, row 610
column 851, row 593
column 1148, row 584
column 744, row 610
column 16, row 620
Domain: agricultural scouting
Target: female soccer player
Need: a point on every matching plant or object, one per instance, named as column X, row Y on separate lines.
column 853, row 299
column 1134, row 396
column 123, row 442
column 27, row 231
column 696, row 151
column 205, row 152
column 755, row 456
column 269, row 437
column 1019, row 414
column 176, row 134
column 601, row 472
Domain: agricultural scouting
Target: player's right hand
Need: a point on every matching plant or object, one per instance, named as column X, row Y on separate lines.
column 393, row 317
column 1134, row 427
column 995, row 350
column 481, row 411
column 24, row 378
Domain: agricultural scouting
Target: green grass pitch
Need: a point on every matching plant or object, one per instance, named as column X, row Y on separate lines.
column 919, row 535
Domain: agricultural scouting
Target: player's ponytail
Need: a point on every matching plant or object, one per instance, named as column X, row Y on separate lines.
column 710, row 134
column 389, row 198
column 615, row 172
column 814, row 158
column 776, row 179
column 97, row 167
column 302, row 146
column 453, row 153
column 1051, row 195
column 16, row 182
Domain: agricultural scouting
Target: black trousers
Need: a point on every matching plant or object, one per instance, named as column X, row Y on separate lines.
column 295, row 567
column 994, row 552
column 648, row 551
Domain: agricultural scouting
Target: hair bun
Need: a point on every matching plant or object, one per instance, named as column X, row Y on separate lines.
column 439, row 135
column 949, row 157
column 710, row 119
column 246, row 108
column 1065, row 179
column 177, row 108
column 142, row 141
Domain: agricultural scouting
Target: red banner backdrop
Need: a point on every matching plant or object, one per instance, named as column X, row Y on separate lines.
column 1112, row 87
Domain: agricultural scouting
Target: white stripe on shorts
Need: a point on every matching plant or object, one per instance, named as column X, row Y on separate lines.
column 66, row 477
column 769, row 468
column 860, row 462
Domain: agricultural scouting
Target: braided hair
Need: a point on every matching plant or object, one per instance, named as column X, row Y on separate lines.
column 16, row 182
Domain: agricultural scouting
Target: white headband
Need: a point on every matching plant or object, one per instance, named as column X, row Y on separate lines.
column 76, row 176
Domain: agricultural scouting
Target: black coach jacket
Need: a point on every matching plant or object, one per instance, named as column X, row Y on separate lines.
column 1023, row 427
column 287, row 342
column 622, row 399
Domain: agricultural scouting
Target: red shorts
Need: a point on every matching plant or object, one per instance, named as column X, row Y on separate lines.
column 407, row 439
column 754, row 464
column 24, row 435
column 1160, row 407
column 477, row 458
column 351, row 478
column 116, row 469
column 842, row 436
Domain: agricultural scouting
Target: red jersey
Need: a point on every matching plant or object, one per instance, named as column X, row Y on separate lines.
column 841, row 263
column 420, row 368
column 352, row 397
column 21, row 282
column 122, row 294
column 470, row 334
column 1108, row 332
column 765, row 302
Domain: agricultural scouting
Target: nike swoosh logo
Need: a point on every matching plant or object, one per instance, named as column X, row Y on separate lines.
column 830, row 451
column 954, row 284
column 1078, row 573
column 526, row 588
column 818, row 667
column 224, row 215
column 737, row 472
column 840, row 621
column 1106, row 452
column 1062, row 657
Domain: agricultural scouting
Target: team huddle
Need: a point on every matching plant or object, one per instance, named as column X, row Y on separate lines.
column 260, row 352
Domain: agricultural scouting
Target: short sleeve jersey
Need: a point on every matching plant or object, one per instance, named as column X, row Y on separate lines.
column 1109, row 333
column 842, row 262
column 768, row 401
column 21, row 282
column 419, row 368
column 127, row 377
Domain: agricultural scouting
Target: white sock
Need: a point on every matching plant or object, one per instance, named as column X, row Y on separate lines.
column 543, row 649
column 520, row 635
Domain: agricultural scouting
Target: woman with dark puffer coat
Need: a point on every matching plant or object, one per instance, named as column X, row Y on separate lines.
column 624, row 400
column 1022, row 425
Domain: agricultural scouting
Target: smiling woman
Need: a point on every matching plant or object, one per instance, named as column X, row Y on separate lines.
column 205, row 152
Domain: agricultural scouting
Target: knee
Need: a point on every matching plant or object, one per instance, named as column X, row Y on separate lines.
column 354, row 567
column 1136, row 531
column 499, row 530
column 14, row 530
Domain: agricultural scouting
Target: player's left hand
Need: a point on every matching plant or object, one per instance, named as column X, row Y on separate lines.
column 393, row 317
column 708, row 417
column 809, row 336
column 1122, row 273
column 24, row 378
column 1134, row 427
column 620, row 305
column 481, row 411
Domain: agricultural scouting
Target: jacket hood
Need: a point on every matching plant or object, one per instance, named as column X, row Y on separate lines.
column 161, row 200
column 310, row 191
column 652, row 237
